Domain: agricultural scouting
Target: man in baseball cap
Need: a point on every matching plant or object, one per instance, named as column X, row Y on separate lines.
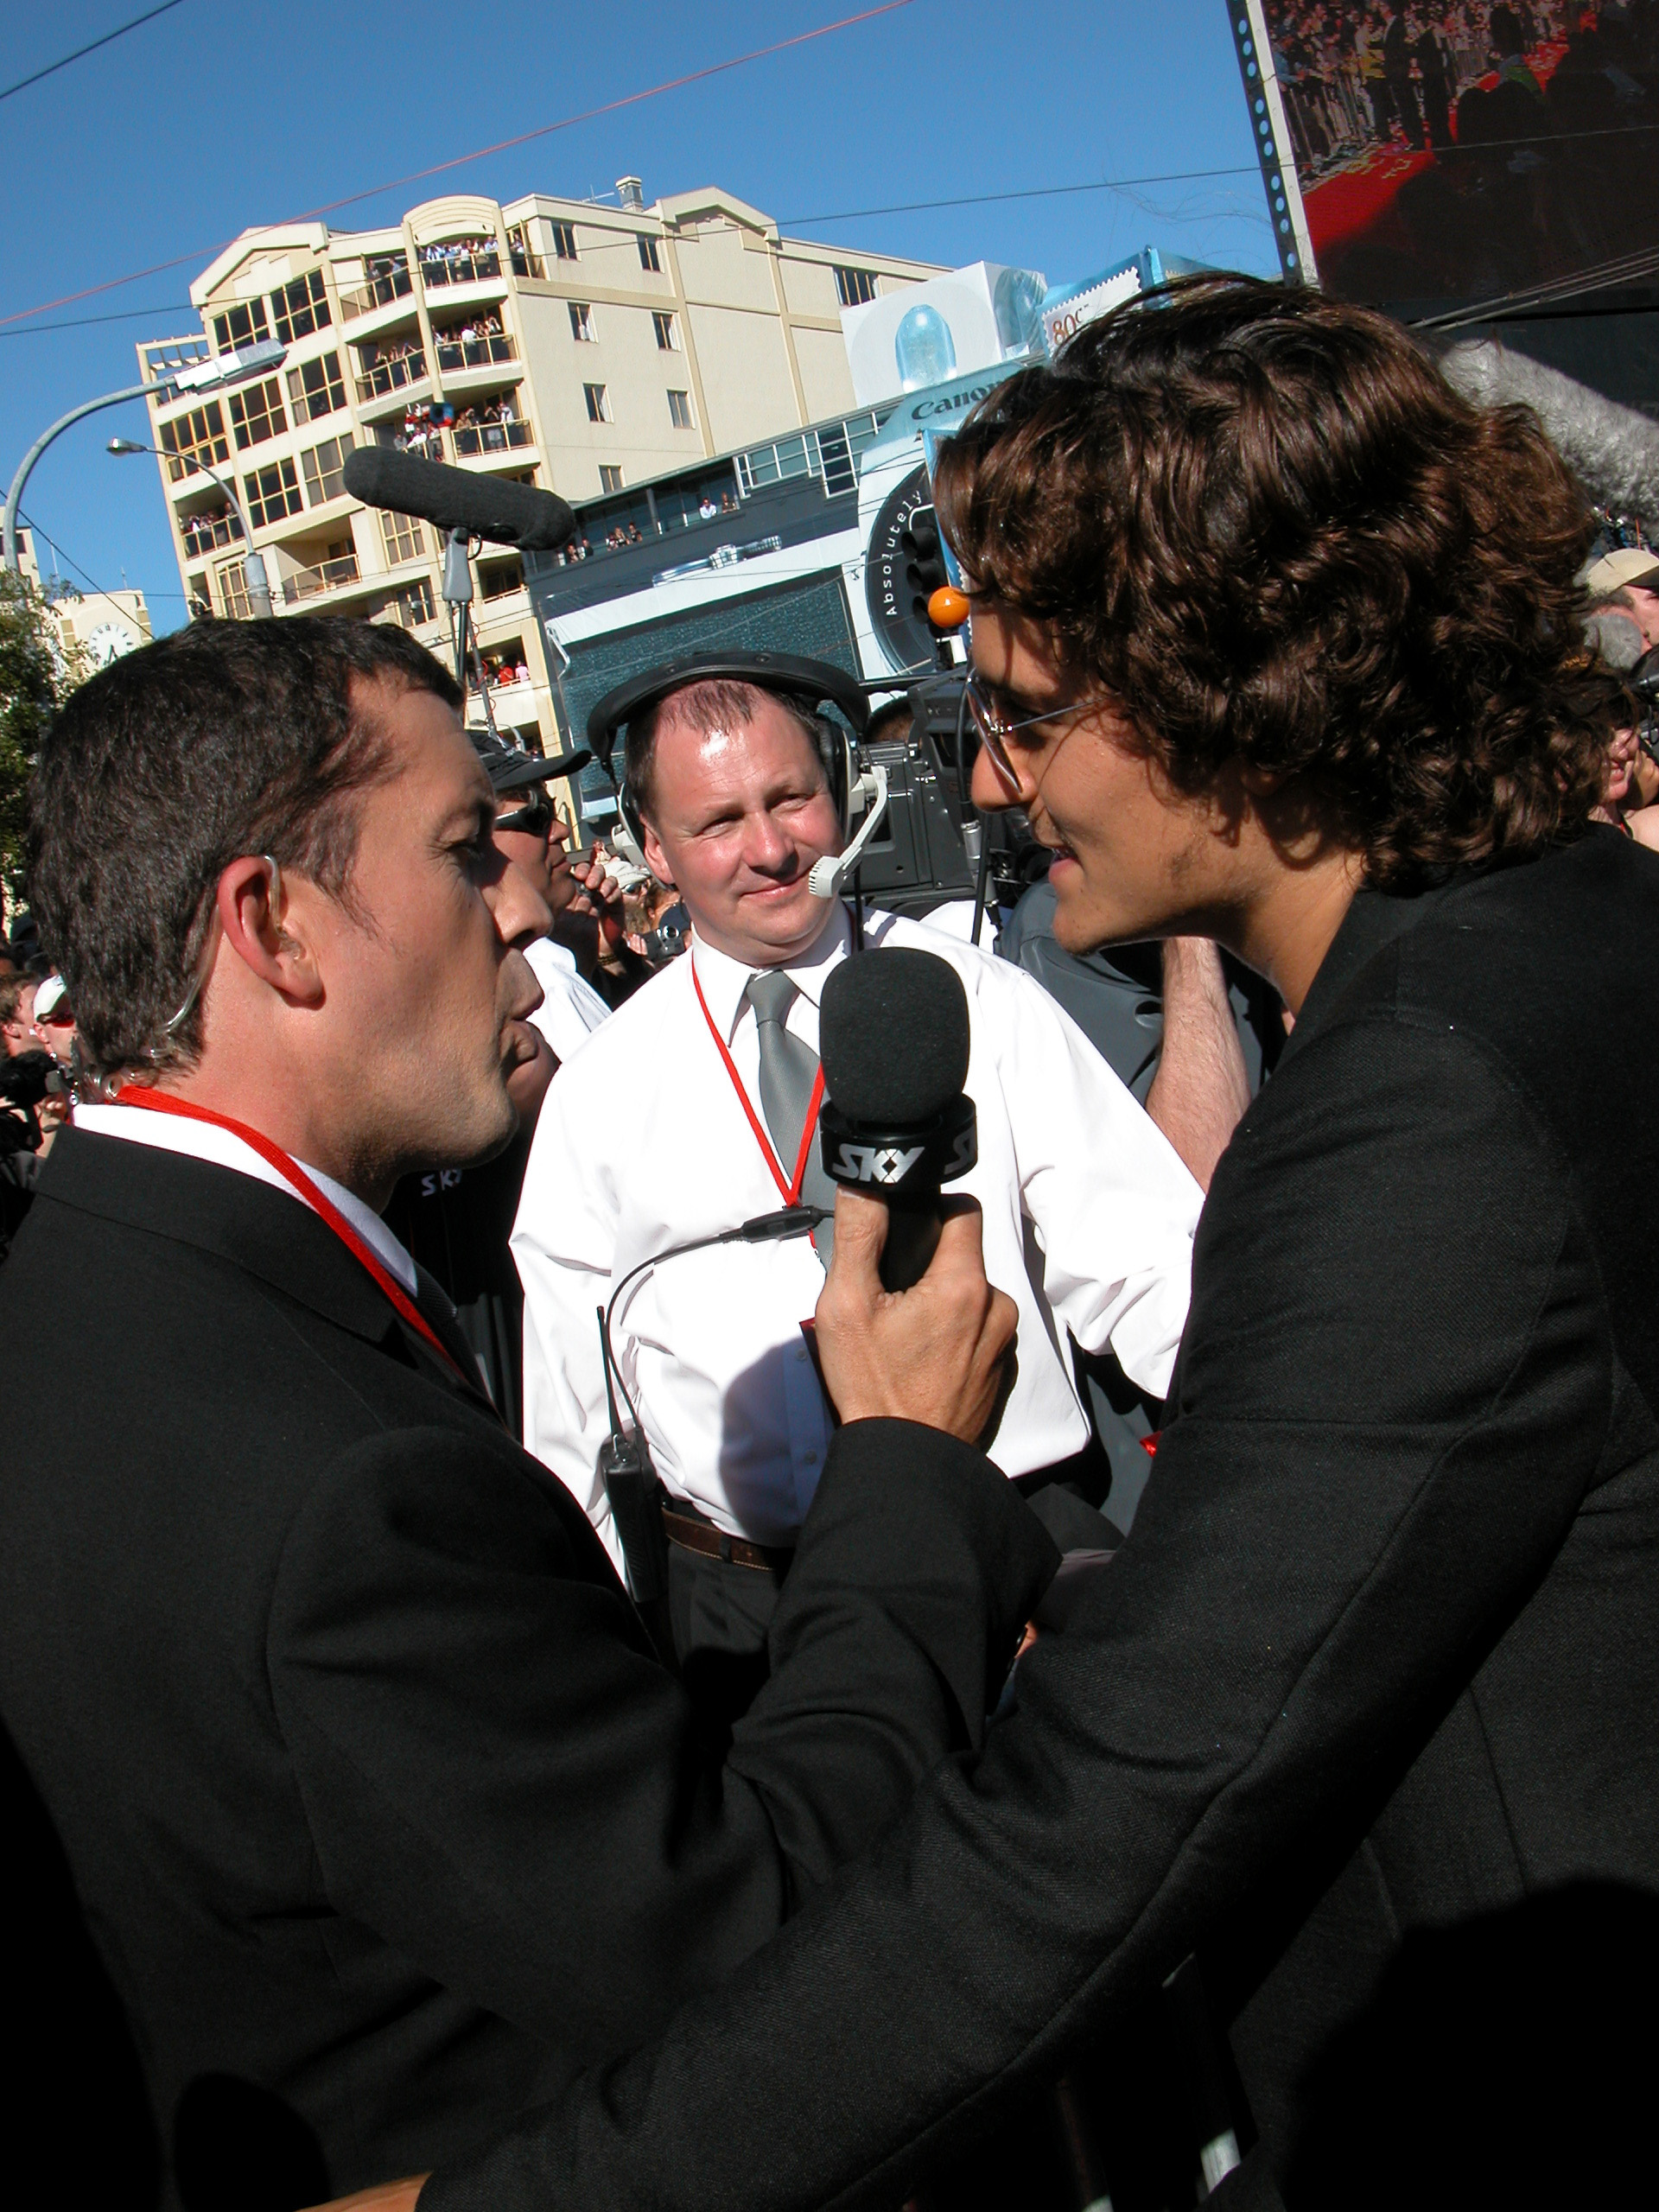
column 1628, row 578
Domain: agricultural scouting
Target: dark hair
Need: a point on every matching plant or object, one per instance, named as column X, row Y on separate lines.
column 708, row 705
column 11, row 992
column 1265, row 523
column 224, row 739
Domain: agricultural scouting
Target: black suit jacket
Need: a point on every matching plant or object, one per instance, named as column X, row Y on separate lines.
column 382, row 1812
column 1367, row 1709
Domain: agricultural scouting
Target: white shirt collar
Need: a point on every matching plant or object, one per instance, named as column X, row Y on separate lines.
column 725, row 980
column 223, row 1148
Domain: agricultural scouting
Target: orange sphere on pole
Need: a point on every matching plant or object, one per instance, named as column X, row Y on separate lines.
column 947, row 609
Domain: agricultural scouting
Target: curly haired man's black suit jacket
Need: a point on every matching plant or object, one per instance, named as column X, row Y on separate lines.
column 1366, row 1712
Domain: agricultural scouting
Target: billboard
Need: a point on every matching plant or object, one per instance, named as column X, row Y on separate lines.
column 1456, row 153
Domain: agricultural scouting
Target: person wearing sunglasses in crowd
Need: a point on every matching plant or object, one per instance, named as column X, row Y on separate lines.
column 456, row 1222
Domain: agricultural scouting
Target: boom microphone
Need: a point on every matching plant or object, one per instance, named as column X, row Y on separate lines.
column 455, row 499
column 893, row 1038
column 1612, row 450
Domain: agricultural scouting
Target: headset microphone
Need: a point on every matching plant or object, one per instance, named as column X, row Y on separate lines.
column 894, row 1041
column 457, row 499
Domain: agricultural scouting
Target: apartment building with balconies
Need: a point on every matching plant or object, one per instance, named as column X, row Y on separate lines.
column 577, row 346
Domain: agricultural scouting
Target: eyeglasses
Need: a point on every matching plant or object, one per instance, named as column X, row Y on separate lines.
column 534, row 820
column 995, row 728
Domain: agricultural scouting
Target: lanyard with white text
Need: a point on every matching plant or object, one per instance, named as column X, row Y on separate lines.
column 791, row 1190
column 164, row 1102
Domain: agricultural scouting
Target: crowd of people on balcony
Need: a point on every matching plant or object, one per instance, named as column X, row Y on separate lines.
column 202, row 533
column 384, row 352
column 508, row 666
column 457, row 260
column 491, row 421
column 477, row 330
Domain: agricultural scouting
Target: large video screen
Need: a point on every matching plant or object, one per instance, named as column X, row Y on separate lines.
column 1469, row 152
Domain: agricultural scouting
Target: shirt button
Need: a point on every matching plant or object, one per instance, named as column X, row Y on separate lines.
column 808, row 1458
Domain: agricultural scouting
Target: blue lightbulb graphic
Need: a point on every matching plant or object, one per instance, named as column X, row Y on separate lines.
column 923, row 348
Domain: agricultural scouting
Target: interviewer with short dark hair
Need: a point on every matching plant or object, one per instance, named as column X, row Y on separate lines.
column 1276, row 641
column 381, row 1806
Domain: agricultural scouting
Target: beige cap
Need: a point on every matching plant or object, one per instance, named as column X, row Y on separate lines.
column 1630, row 564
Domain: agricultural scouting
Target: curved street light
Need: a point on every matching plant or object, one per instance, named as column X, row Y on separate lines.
column 214, row 374
column 253, row 564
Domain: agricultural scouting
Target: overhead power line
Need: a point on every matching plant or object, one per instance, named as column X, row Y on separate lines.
column 482, row 153
column 1032, row 192
column 127, row 314
column 108, row 39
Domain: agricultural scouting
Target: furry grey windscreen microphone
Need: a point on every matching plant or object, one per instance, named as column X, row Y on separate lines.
column 1612, row 450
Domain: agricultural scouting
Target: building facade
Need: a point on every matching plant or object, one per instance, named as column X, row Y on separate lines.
column 580, row 347
column 92, row 628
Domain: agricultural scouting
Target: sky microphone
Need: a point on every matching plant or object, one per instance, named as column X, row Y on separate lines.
column 455, row 499
column 893, row 1038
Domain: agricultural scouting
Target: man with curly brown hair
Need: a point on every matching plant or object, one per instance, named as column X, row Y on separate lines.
column 1331, row 1819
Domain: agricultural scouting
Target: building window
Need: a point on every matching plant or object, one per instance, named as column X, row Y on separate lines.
column 856, row 286
column 414, row 604
column 233, row 591
column 581, row 323
column 272, row 494
column 564, row 240
column 598, row 405
column 301, row 308
column 610, row 479
column 197, row 437
column 240, row 327
column 324, row 467
column 316, row 388
column 648, row 255
column 257, row 413
column 679, row 410
column 406, row 539
column 668, row 338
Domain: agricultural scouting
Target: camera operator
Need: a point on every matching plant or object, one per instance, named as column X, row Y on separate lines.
column 382, row 1811
column 1282, row 636
column 1089, row 1212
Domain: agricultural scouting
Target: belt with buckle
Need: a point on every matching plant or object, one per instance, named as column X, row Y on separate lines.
column 709, row 1542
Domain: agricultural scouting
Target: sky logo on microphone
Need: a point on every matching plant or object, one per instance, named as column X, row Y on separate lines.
column 872, row 1163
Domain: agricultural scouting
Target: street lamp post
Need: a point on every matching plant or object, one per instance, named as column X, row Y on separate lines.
column 214, row 374
column 253, row 564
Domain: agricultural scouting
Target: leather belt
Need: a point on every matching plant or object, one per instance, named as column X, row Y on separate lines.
column 709, row 1542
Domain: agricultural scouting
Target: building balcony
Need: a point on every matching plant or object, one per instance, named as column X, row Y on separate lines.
column 205, row 534
column 382, row 290
column 385, row 379
column 473, row 261
column 456, row 355
column 327, row 576
column 472, row 440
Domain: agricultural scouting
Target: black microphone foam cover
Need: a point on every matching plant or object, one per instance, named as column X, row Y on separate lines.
column 456, row 498
column 893, row 1037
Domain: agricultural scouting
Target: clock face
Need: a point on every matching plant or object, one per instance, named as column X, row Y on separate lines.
column 107, row 643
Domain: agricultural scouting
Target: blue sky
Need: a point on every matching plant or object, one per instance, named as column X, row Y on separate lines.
column 208, row 120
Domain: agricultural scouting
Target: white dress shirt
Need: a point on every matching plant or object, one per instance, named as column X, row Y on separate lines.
column 224, row 1148
column 1089, row 1216
column 571, row 1009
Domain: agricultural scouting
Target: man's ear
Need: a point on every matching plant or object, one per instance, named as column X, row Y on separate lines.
column 656, row 859
column 264, row 932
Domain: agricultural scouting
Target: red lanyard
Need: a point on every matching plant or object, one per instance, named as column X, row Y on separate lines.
column 791, row 1190
column 164, row 1102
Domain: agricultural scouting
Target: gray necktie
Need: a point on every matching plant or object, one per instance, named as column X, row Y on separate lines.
column 789, row 1070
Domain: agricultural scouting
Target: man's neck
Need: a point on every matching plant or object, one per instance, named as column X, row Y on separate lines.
column 1285, row 932
column 748, row 953
column 286, row 1121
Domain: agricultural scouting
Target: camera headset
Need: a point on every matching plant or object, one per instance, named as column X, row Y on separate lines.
column 807, row 685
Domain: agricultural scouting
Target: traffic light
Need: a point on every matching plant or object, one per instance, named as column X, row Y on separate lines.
column 922, row 560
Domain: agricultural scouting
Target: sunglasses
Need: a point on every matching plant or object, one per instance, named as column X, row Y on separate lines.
column 995, row 728
column 534, row 819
